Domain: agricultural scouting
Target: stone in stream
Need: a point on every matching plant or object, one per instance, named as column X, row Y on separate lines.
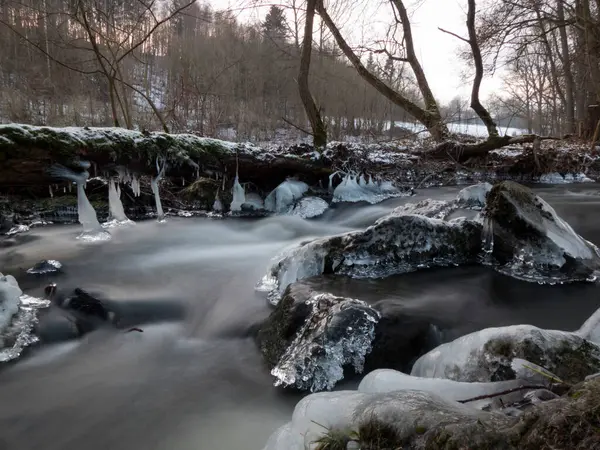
column 421, row 420
column 311, row 337
column 46, row 267
column 528, row 240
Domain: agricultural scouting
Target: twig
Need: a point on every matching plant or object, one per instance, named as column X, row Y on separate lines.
column 296, row 126
column 498, row 394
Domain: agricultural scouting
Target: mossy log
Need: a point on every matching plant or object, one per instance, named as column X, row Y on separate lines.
column 27, row 151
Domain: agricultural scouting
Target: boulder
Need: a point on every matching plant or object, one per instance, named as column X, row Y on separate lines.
column 382, row 336
column 528, row 240
column 419, row 420
column 488, row 355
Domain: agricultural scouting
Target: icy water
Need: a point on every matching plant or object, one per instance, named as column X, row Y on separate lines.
column 194, row 378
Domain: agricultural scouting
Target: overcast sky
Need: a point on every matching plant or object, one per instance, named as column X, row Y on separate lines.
column 438, row 52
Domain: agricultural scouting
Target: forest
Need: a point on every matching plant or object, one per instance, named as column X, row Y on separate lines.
column 183, row 66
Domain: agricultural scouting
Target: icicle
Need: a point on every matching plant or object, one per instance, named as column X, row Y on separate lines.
column 50, row 189
column 117, row 212
column 92, row 230
column 487, row 240
column 160, row 215
column 64, row 190
column 182, row 182
column 135, row 185
column 239, row 194
column 70, row 187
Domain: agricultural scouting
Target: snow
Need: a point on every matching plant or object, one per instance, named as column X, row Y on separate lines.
column 309, row 207
column 355, row 189
column 337, row 332
column 283, row 197
column 239, row 195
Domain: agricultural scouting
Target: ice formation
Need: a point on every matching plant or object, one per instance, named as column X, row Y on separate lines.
column 488, row 355
column 557, row 178
column 282, row 198
column 117, row 212
column 160, row 215
column 239, row 195
column 337, row 332
column 397, row 243
column 387, row 380
column 135, row 186
column 591, row 328
column 217, row 205
column 354, row 189
column 92, row 230
column 18, row 315
column 309, row 207
column 474, row 196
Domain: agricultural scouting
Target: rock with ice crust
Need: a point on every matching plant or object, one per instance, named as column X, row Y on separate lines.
column 489, row 355
column 309, row 207
column 9, row 300
column 474, row 196
column 336, row 332
column 531, row 242
column 283, row 197
column 291, row 331
column 397, row 243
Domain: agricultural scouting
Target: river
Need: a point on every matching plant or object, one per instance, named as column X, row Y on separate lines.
column 194, row 379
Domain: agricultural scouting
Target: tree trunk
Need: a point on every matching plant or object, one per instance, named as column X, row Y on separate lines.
column 312, row 111
column 568, row 73
column 430, row 118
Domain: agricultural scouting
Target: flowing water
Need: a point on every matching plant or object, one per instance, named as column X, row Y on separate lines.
column 194, row 378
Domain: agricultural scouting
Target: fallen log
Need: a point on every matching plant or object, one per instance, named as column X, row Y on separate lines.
column 27, row 151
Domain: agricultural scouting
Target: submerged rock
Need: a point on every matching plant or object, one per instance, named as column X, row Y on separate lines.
column 528, row 240
column 397, row 243
column 488, row 355
column 335, row 332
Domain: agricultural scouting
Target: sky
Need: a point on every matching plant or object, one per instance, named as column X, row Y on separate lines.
column 438, row 52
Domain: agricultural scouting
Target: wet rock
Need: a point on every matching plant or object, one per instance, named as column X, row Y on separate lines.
column 531, row 242
column 335, row 332
column 488, row 355
column 397, row 340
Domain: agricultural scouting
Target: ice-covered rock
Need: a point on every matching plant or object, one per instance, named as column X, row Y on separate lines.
column 488, row 355
column 309, row 207
column 398, row 339
column 17, row 229
column 45, row 267
column 474, row 196
column 18, row 315
column 282, row 198
column 591, row 328
column 531, row 242
column 402, row 419
column 397, row 243
column 337, row 332
column 355, row 189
